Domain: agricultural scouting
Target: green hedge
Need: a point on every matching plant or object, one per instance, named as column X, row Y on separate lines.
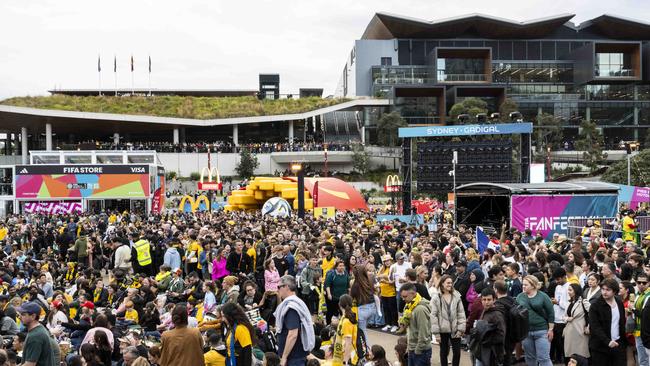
column 175, row 106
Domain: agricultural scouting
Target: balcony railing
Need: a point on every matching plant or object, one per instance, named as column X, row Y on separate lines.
column 614, row 73
column 443, row 77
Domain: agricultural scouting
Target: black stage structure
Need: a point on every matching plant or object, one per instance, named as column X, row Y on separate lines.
column 446, row 156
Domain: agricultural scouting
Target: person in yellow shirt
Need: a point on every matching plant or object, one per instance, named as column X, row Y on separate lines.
column 328, row 259
column 345, row 348
column 240, row 335
column 194, row 250
column 628, row 226
column 216, row 355
column 3, row 231
column 387, row 294
column 251, row 251
column 130, row 313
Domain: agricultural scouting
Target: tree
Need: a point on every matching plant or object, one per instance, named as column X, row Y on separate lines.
column 639, row 170
column 508, row 106
column 470, row 106
column 247, row 164
column 590, row 142
column 548, row 132
column 360, row 159
column 387, row 127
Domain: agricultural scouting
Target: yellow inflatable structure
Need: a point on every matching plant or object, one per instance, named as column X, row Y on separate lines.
column 261, row 189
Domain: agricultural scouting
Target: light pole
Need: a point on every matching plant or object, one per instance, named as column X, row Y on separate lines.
column 631, row 148
column 454, row 161
column 297, row 168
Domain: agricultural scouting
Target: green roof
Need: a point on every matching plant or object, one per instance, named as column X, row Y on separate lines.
column 175, row 106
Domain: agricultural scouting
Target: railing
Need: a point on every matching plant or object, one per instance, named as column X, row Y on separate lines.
column 461, row 77
column 614, row 73
column 575, row 225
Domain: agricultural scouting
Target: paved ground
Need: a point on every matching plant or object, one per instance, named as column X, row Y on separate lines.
column 388, row 341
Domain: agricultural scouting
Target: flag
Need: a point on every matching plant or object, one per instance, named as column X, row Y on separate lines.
column 149, row 64
column 114, row 63
column 99, row 63
column 131, row 63
column 482, row 240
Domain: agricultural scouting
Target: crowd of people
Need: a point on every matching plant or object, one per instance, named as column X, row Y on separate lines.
column 237, row 288
column 215, row 146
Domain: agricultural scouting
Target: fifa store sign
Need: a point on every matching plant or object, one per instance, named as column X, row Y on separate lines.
column 467, row 130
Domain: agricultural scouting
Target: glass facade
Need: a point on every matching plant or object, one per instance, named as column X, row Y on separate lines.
column 461, row 69
column 418, row 110
column 613, row 65
column 540, row 75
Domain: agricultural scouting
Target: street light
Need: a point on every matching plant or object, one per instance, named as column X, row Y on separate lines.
column 452, row 172
column 296, row 168
column 632, row 148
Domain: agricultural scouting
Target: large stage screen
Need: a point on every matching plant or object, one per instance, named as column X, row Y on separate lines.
column 549, row 214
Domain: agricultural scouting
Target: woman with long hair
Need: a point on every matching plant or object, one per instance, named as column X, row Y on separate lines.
column 103, row 347
column 537, row 344
column 363, row 294
column 377, row 356
column 401, row 355
column 219, row 270
column 89, row 355
column 240, row 336
column 448, row 320
column 575, row 334
column 345, row 351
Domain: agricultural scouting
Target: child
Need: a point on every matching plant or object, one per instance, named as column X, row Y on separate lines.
column 271, row 359
column 130, row 313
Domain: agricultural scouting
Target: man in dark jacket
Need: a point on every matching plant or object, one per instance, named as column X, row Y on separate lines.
column 462, row 283
column 503, row 303
column 492, row 345
column 238, row 261
column 607, row 327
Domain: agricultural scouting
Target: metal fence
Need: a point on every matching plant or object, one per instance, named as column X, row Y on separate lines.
column 575, row 225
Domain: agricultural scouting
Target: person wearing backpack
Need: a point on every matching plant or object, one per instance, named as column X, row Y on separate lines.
column 516, row 327
column 537, row 344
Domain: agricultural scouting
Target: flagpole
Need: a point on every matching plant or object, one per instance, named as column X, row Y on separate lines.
column 149, row 75
column 132, row 81
column 99, row 75
column 115, row 72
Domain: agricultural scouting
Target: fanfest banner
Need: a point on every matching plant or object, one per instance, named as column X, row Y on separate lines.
column 633, row 195
column 52, row 208
column 549, row 214
column 82, row 181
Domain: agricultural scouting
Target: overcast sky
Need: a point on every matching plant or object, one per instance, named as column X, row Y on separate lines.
column 216, row 44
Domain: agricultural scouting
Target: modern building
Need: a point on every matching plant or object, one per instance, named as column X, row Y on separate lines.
column 598, row 70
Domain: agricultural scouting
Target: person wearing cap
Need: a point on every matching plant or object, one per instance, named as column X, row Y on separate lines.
column 38, row 347
column 629, row 226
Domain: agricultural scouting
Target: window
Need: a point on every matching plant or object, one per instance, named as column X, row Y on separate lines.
column 505, row 50
column 404, row 53
column 548, row 50
column 519, row 50
column 386, row 61
column 612, row 65
column 534, row 52
column 417, row 53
